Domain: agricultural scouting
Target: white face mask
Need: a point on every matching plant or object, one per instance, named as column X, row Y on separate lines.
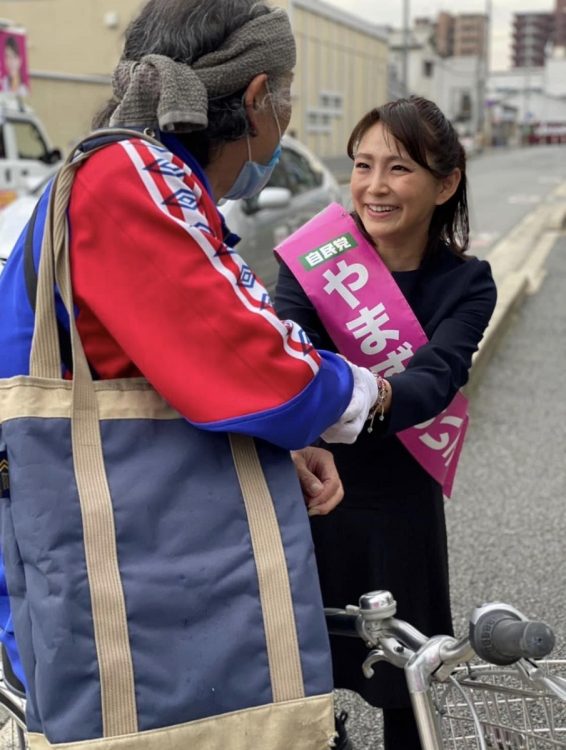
column 253, row 176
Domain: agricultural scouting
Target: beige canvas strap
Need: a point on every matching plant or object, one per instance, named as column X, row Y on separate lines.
column 119, row 713
column 273, row 577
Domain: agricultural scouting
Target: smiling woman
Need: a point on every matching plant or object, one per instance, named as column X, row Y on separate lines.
column 395, row 197
column 408, row 190
column 419, row 146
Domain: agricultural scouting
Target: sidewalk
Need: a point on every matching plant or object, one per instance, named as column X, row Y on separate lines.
column 517, row 263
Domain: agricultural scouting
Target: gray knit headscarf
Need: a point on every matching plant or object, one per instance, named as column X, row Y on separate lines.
column 158, row 92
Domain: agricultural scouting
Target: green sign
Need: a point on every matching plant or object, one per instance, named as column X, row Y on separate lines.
column 328, row 251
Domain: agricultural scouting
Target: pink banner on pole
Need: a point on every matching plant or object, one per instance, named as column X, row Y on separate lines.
column 14, row 72
column 371, row 323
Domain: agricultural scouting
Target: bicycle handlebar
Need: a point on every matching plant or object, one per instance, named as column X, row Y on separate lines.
column 355, row 623
column 500, row 635
column 341, row 622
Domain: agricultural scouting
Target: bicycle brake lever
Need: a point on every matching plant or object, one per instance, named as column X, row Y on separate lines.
column 374, row 656
column 390, row 650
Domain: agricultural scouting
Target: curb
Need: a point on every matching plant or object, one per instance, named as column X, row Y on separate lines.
column 517, row 263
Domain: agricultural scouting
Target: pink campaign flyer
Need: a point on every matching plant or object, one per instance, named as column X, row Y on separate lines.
column 14, row 73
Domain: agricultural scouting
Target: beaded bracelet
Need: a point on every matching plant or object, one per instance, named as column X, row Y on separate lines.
column 379, row 406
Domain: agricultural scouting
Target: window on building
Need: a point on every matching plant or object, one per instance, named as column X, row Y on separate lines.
column 332, row 101
column 428, row 68
column 318, row 121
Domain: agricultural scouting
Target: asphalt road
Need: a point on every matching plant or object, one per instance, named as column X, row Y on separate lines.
column 505, row 184
column 506, row 519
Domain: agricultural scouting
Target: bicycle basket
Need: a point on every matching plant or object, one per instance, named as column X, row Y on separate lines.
column 521, row 707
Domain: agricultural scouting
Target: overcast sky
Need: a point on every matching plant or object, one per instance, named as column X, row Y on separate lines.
column 390, row 13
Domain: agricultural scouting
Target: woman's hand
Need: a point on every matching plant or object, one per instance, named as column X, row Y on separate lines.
column 319, row 479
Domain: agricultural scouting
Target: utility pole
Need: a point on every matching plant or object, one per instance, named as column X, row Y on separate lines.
column 487, row 51
column 406, row 30
column 483, row 118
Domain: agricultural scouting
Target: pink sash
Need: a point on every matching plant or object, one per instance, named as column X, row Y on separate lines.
column 341, row 273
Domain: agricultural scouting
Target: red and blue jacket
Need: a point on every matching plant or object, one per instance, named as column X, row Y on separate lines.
column 160, row 291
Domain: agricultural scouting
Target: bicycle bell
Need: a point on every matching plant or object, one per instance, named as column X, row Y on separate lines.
column 377, row 605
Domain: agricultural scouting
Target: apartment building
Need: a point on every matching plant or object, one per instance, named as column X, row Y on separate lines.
column 531, row 34
column 462, row 35
column 559, row 34
column 444, row 34
column 470, row 35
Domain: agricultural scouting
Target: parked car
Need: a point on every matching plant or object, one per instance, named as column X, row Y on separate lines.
column 26, row 153
column 299, row 187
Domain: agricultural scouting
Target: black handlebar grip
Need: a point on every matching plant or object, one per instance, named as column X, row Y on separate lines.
column 340, row 622
column 501, row 638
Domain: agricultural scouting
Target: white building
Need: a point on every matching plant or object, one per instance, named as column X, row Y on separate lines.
column 555, row 73
column 538, row 96
column 456, row 84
